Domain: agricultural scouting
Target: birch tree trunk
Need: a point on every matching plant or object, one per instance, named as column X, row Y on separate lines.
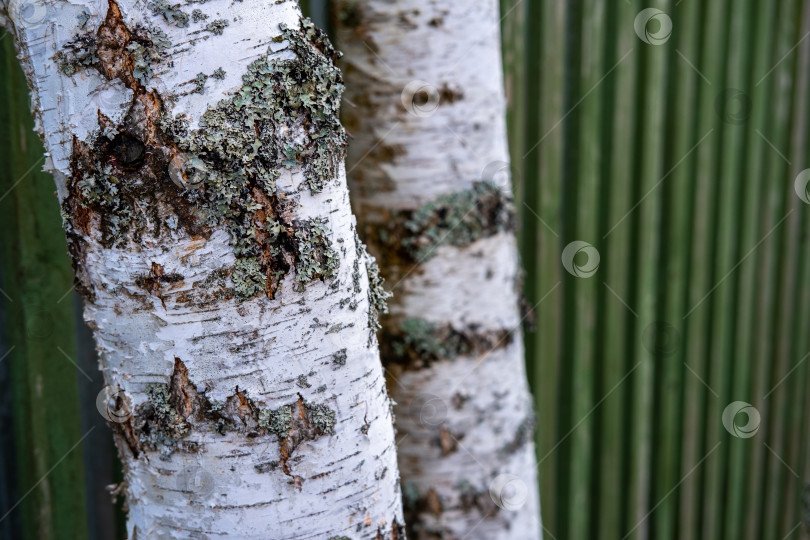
column 430, row 181
column 199, row 164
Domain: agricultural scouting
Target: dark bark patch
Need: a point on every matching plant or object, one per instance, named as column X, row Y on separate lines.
column 524, row 434
column 423, row 512
column 396, row 532
column 112, row 39
column 447, row 442
column 152, row 282
column 432, row 503
column 128, row 151
column 306, row 423
column 455, row 219
column 417, row 343
column 175, row 410
column 349, row 13
column 449, row 95
column 474, row 499
column 150, row 174
column 214, row 288
column 436, row 22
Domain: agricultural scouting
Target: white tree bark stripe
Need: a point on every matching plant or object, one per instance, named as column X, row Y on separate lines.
column 427, row 117
column 162, row 287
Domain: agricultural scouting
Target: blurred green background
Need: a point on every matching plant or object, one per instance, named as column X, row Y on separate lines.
column 671, row 143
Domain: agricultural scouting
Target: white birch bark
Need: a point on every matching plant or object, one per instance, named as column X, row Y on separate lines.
column 224, row 284
column 429, row 181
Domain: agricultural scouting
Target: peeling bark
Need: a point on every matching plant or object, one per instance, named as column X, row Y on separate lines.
column 198, row 161
column 430, row 182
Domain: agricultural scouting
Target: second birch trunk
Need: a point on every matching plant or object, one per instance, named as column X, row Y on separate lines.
column 429, row 176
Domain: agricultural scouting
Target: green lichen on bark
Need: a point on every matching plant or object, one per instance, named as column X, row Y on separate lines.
column 157, row 423
column 217, row 27
column 248, row 278
column 284, row 115
column 78, row 53
column 322, row 417
column 176, row 410
column 224, row 172
column 199, row 83
column 197, row 15
column 424, row 340
column 377, row 295
column 315, row 257
column 457, row 219
column 418, row 343
column 171, row 13
column 276, row 421
column 146, row 47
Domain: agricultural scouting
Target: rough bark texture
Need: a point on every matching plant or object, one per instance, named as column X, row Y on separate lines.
column 199, row 165
column 429, row 178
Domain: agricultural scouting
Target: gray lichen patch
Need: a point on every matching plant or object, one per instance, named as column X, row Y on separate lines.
column 523, row 435
column 284, row 115
column 147, row 47
column 276, row 421
column 315, row 258
column 217, row 27
column 163, row 421
column 78, row 53
column 199, row 83
column 249, row 279
column 175, row 411
column 377, row 295
column 171, row 13
column 101, row 49
column 417, row 343
column 322, row 417
column 151, row 174
column 455, row 219
column 458, row 219
column 197, row 15
column 339, row 358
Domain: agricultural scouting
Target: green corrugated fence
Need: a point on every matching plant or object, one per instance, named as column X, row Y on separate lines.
column 666, row 139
